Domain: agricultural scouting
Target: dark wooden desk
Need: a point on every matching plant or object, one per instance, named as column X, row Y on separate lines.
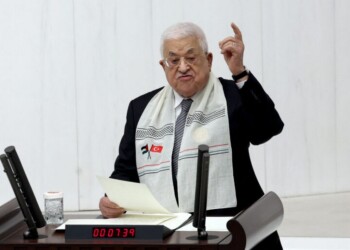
column 51, row 240
column 11, row 238
column 246, row 230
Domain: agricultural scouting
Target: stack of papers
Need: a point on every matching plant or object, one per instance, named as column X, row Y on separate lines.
column 171, row 222
column 142, row 208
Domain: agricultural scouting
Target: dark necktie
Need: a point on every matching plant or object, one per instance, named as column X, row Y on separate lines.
column 179, row 131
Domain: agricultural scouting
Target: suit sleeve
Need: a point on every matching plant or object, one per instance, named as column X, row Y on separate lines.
column 261, row 119
column 125, row 164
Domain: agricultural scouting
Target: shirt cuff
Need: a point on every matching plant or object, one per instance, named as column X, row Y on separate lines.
column 240, row 84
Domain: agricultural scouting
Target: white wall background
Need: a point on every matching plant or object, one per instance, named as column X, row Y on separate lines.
column 68, row 69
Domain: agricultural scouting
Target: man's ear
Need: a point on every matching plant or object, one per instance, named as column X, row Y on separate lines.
column 210, row 59
column 161, row 62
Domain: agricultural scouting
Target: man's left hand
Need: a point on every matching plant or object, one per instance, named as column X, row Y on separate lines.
column 232, row 48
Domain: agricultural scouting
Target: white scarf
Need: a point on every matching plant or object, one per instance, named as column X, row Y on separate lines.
column 207, row 123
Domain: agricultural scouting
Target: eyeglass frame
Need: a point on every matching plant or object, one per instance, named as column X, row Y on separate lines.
column 185, row 58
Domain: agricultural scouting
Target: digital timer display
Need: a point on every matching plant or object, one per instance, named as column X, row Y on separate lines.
column 116, row 232
column 113, row 232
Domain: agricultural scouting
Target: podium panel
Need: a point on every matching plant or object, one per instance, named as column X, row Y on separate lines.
column 51, row 240
column 245, row 230
column 12, row 227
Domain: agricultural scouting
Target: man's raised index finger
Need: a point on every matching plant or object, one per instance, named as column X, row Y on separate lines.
column 237, row 31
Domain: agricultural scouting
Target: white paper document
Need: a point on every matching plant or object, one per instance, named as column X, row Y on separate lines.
column 131, row 196
column 141, row 206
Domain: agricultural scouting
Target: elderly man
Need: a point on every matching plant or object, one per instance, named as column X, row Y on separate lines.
column 164, row 128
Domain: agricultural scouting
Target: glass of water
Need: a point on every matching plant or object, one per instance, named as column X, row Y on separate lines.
column 53, row 207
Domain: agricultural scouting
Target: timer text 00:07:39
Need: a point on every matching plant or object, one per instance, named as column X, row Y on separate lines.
column 113, row 232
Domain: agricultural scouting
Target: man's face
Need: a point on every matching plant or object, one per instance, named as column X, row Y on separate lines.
column 186, row 66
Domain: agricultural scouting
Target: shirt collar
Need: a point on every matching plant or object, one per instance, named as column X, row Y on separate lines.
column 177, row 99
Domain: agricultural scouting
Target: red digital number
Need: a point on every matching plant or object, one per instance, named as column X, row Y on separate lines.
column 132, row 232
column 125, row 232
column 102, row 232
column 95, row 233
column 110, row 232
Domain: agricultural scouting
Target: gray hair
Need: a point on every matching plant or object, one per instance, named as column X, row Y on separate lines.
column 182, row 30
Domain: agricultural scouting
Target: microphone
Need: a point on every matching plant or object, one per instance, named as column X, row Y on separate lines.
column 200, row 205
column 23, row 192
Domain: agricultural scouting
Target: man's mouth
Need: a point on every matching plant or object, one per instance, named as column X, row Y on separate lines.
column 185, row 77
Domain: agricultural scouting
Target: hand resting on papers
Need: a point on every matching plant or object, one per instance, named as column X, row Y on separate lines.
column 110, row 209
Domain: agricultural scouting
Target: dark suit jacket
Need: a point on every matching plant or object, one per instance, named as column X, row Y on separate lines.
column 252, row 119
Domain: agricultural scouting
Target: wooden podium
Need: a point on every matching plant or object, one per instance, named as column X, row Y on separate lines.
column 244, row 231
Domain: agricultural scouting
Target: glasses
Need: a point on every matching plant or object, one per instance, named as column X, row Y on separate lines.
column 175, row 61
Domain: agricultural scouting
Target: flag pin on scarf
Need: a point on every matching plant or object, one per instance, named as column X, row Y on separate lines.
column 154, row 149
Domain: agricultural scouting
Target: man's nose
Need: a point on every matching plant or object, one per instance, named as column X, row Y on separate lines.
column 183, row 66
